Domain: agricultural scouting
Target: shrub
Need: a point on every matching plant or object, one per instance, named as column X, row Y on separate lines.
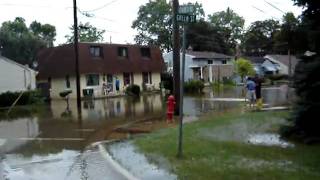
column 193, row 86
column 28, row 97
column 277, row 77
column 167, row 81
column 133, row 90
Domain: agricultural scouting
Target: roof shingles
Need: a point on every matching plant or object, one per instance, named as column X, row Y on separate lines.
column 60, row 61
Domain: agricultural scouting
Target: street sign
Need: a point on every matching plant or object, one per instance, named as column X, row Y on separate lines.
column 186, row 9
column 184, row 18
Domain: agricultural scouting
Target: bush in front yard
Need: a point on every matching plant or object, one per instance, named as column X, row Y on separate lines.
column 28, row 97
column 133, row 90
column 193, row 86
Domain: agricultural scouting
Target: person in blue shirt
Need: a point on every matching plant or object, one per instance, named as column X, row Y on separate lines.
column 251, row 93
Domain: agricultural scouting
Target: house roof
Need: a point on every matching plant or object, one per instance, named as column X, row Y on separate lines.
column 255, row 59
column 15, row 63
column 59, row 61
column 207, row 55
column 284, row 59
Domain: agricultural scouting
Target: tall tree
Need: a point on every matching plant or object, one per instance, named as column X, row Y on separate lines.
column 21, row 43
column 203, row 36
column 259, row 38
column 87, row 33
column 153, row 23
column 230, row 25
column 46, row 32
column 288, row 37
column 304, row 118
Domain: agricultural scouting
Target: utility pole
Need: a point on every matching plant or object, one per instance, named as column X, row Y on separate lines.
column 184, row 43
column 76, row 51
column 176, row 56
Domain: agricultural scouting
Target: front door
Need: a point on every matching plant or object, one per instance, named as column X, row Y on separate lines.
column 110, row 83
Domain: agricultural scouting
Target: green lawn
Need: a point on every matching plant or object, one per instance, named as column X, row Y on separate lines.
column 217, row 148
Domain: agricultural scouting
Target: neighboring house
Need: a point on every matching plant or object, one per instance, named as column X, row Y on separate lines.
column 273, row 64
column 206, row 66
column 281, row 63
column 15, row 77
column 270, row 68
column 257, row 62
column 100, row 64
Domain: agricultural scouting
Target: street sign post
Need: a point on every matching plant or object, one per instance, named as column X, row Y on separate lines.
column 185, row 16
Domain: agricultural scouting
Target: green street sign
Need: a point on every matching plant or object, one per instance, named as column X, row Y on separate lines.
column 185, row 18
column 186, row 9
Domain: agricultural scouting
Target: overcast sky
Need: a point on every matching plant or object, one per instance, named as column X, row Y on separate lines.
column 117, row 15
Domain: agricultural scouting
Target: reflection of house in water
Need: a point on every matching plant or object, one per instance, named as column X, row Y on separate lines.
column 15, row 132
column 112, row 107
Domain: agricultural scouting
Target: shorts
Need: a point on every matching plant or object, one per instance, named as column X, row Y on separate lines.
column 251, row 95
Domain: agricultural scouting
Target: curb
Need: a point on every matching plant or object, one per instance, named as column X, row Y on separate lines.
column 114, row 163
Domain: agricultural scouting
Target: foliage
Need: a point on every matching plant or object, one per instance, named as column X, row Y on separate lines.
column 229, row 24
column 87, row 33
column 193, row 86
column 305, row 124
column 153, row 23
column 284, row 40
column 203, row 36
column 133, row 89
column 307, row 87
column 21, row 43
column 29, row 97
column 244, row 68
column 259, row 38
column 167, row 81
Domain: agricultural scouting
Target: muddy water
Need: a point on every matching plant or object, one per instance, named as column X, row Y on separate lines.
column 30, row 146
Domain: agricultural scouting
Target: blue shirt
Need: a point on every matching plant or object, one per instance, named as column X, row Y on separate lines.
column 251, row 85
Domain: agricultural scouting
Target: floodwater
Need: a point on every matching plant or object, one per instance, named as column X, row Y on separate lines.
column 33, row 147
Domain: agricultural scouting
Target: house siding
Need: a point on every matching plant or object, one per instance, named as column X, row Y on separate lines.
column 59, row 84
column 14, row 77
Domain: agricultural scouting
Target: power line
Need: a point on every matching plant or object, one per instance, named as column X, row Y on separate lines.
column 258, row 9
column 275, row 7
column 101, row 7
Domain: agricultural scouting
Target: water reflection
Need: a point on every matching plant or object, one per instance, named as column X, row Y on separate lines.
column 111, row 108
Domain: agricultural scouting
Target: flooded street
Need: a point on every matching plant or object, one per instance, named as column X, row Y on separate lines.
column 30, row 146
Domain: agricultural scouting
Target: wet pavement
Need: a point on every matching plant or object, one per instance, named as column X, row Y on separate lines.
column 32, row 145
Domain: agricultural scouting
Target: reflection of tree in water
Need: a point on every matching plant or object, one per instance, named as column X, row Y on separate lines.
column 147, row 104
column 130, row 107
column 83, row 169
column 111, row 108
column 88, row 104
column 83, row 165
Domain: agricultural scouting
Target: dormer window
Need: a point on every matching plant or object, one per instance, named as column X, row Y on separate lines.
column 123, row 52
column 145, row 52
column 96, row 51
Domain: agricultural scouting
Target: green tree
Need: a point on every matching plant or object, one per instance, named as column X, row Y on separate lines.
column 284, row 37
column 244, row 68
column 153, row 23
column 21, row 43
column 46, row 32
column 87, row 33
column 259, row 38
column 203, row 36
column 304, row 118
column 230, row 25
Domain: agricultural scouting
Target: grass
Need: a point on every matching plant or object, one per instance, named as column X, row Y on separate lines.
column 213, row 150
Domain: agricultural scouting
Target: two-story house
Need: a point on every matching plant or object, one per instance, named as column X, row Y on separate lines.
column 100, row 65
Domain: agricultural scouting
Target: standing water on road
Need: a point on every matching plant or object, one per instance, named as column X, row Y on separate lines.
column 32, row 145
